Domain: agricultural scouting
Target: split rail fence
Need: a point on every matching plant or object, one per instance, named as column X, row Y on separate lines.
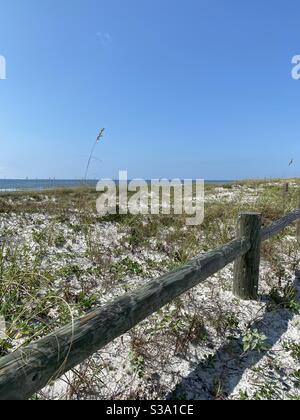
column 29, row 369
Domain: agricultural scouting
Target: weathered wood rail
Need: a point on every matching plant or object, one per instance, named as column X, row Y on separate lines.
column 29, row 369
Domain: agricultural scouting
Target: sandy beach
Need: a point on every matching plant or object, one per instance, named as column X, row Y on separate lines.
column 59, row 259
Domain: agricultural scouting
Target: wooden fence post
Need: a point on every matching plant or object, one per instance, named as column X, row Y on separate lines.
column 285, row 195
column 286, row 187
column 246, row 268
column 298, row 223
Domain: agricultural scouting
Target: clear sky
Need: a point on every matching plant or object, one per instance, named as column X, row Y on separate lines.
column 184, row 88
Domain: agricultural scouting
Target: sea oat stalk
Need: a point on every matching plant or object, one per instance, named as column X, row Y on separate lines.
column 98, row 139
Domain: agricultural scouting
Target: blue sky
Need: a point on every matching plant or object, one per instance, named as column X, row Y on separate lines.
column 185, row 88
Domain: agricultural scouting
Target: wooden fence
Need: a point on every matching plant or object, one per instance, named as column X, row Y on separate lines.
column 29, row 369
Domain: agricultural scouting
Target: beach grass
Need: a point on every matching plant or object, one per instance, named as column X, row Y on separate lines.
column 59, row 259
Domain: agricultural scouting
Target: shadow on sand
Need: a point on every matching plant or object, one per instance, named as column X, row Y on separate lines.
column 229, row 363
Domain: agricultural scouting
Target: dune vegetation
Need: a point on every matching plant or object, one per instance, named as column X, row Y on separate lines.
column 59, row 259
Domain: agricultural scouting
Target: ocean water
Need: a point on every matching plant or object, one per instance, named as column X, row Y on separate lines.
column 41, row 184
column 7, row 185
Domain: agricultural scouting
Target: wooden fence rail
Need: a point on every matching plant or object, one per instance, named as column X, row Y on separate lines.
column 29, row 369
